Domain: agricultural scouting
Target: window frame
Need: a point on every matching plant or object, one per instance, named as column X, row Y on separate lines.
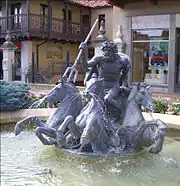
column 147, row 41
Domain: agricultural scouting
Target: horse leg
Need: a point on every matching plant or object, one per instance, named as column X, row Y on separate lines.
column 60, row 133
column 19, row 125
column 141, row 139
column 159, row 137
column 158, row 145
column 74, row 129
column 50, row 132
column 96, row 146
column 87, row 137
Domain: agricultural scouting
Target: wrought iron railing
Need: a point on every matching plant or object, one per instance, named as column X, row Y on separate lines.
column 17, row 22
column 42, row 76
column 14, row 23
column 58, row 26
column 38, row 25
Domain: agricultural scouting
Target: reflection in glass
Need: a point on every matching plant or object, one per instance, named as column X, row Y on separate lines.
column 178, row 55
column 150, row 55
column 153, row 34
column 150, row 61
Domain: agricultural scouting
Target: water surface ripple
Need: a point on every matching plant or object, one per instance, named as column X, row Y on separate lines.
column 26, row 162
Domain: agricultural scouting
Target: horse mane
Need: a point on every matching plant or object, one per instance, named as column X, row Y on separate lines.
column 135, row 90
column 69, row 103
column 72, row 85
column 132, row 94
column 97, row 88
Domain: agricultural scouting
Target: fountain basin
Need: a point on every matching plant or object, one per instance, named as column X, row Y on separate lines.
column 25, row 161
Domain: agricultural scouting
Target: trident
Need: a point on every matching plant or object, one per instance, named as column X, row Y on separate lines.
column 72, row 69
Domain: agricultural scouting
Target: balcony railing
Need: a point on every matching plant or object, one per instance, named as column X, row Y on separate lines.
column 14, row 23
column 38, row 26
column 58, row 28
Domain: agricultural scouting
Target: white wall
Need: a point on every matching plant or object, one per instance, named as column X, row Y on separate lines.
column 108, row 21
column 178, row 20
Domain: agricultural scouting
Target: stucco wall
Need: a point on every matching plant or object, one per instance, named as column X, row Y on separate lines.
column 35, row 6
column 57, row 7
column 178, row 20
column 58, row 64
column 44, row 61
column 108, row 19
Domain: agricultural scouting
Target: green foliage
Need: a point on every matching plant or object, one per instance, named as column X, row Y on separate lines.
column 32, row 98
column 161, row 105
column 12, row 95
column 175, row 108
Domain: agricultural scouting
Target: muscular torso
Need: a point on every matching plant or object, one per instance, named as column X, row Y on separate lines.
column 110, row 71
column 110, row 68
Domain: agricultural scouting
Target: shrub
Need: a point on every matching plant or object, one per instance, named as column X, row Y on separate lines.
column 161, row 105
column 175, row 107
column 33, row 97
column 13, row 95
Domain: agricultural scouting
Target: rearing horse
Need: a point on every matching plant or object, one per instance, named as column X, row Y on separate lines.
column 135, row 131
column 88, row 127
column 70, row 104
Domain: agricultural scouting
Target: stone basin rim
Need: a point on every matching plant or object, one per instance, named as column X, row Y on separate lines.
column 99, row 155
column 173, row 121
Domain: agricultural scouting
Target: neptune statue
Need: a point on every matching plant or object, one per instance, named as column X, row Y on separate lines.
column 106, row 118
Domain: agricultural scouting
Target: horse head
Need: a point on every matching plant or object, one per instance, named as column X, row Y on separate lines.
column 143, row 96
column 61, row 91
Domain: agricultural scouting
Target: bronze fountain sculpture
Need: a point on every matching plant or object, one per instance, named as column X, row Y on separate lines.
column 109, row 120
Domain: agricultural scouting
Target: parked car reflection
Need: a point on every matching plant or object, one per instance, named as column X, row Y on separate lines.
column 159, row 58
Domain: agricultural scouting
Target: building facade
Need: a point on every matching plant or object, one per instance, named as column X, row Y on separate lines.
column 151, row 32
column 46, row 32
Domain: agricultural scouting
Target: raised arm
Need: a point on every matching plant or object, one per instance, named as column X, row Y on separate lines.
column 91, row 63
column 126, row 66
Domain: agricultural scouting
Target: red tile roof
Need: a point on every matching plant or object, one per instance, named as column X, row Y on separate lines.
column 90, row 3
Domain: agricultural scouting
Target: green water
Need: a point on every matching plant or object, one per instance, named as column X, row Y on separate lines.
column 25, row 161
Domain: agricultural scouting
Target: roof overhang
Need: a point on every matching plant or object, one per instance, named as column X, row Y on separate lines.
column 121, row 3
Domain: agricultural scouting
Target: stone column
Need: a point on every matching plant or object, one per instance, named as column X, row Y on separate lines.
column 8, row 57
column 100, row 39
column 26, row 58
column 119, row 40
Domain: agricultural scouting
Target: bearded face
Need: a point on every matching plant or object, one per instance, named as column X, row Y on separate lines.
column 109, row 49
column 109, row 52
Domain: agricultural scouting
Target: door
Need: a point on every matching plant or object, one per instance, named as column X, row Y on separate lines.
column 44, row 18
column 177, row 67
column 71, row 27
column 86, row 24
column 16, row 12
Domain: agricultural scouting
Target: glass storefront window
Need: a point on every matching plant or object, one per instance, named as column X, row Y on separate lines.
column 178, row 55
column 153, row 34
column 150, row 55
